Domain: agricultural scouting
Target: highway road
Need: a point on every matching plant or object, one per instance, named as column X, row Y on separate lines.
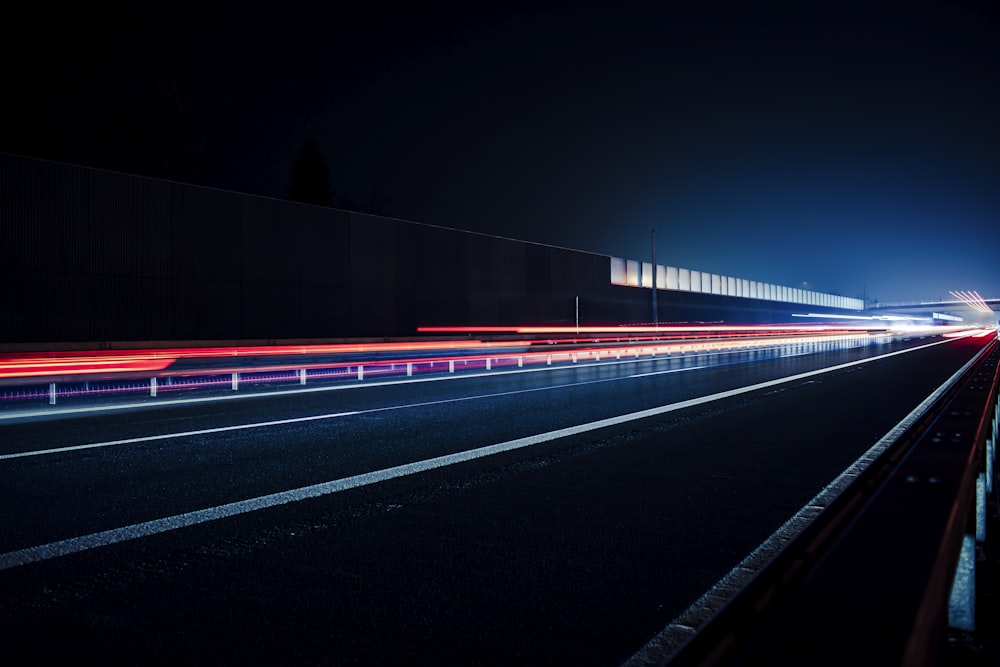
column 555, row 515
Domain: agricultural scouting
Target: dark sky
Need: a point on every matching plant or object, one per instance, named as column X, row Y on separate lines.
column 850, row 146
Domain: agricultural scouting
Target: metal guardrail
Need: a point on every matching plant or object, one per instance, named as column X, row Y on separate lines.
column 869, row 580
column 232, row 376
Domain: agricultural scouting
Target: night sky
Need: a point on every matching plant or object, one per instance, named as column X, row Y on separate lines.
column 849, row 147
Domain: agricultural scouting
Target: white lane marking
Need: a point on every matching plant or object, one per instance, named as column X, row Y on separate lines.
column 673, row 370
column 73, row 545
column 332, row 415
column 180, row 434
column 668, row 642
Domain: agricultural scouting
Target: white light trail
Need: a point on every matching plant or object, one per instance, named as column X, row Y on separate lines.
column 972, row 300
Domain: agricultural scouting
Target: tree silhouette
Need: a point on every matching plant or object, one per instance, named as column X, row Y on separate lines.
column 311, row 176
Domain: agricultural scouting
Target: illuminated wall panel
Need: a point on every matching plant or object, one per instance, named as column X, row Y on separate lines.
column 684, row 279
column 661, row 277
column 672, row 278
column 618, row 271
column 647, row 274
column 730, row 286
column 632, row 273
column 695, row 281
column 716, row 283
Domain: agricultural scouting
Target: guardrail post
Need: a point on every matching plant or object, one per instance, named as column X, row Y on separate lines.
column 962, row 602
column 409, row 369
column 451, row 365
column 981, row 508
column 574, row 357
column 52, row 393
column 236, row 381
column 302, row 376
column 991, row 455
column 488, row 364
column 520, row 362
column 361, row 372
column 548, row 360
column 152, row 386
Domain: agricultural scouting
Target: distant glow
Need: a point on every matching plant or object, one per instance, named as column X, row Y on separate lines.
column 972, row 300
column 947, row 318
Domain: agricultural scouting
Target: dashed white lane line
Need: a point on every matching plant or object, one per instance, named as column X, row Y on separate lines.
column 73, row 545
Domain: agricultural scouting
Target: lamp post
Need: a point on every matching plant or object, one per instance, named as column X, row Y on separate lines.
column 656, row 314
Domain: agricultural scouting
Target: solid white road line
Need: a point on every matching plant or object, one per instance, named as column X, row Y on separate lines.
column 73, row 545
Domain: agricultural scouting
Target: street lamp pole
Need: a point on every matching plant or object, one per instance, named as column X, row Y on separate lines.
column 656, row 314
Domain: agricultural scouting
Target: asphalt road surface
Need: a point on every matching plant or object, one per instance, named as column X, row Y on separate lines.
column 543, row 516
